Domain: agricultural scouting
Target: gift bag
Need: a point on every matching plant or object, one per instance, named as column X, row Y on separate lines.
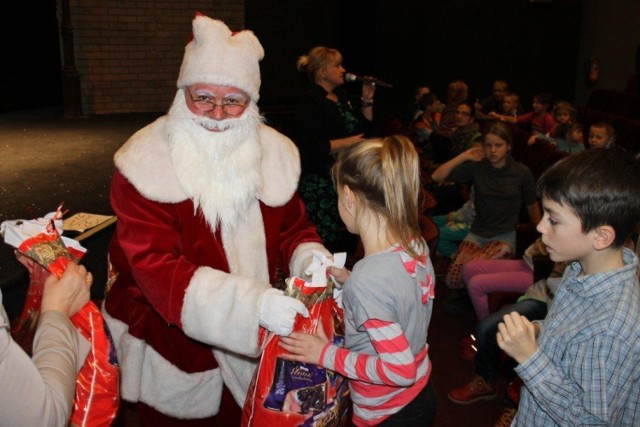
column 285, row 393
column 96, row 400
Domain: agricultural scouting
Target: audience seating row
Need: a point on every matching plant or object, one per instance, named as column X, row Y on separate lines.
column 627, row 130
column 619, row 103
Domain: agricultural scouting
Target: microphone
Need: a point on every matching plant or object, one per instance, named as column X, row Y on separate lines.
column 352, row 78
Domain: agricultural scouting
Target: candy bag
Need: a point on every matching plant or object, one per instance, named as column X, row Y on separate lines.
column 43, row 253
column 286, row 393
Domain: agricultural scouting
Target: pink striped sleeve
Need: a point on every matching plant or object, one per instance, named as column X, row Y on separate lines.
column 394, row 364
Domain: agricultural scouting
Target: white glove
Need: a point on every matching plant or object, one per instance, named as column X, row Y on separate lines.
column 278, row 312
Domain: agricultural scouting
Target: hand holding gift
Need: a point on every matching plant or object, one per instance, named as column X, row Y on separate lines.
column 44, row 252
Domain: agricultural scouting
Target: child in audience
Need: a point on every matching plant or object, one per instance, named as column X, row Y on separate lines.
column 533, row 305
column 601, row 135
column 388, row 297
column 413, row 109
column 537, row 121
column 428, row 121
column 511, row 105
column 483, row 277
column 493, row 102
column 570, row 138
column 563, row 114
column 454, row 227
column 583, row 369
column 500, row 186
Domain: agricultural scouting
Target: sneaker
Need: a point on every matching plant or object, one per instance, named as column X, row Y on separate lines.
column 507, row 416
column 457, row 302
column 474, row 391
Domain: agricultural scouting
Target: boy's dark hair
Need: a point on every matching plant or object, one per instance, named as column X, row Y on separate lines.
column 601, row 186
column 543, row 98
column 564, row 130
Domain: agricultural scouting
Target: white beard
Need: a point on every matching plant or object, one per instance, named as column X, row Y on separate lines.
column 219, row 171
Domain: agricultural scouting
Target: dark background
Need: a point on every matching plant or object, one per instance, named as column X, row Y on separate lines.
column 532, row 45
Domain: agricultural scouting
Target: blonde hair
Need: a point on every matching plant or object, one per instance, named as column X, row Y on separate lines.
column 565, row 106
column 385, row 174
column 514, row 96
column 318, row 58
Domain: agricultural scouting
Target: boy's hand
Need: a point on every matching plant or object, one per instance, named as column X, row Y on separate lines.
column 304, row 347
column 517, row 337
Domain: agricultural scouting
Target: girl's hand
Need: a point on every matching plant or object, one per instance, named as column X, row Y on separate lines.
column 305, row 348
column 340, row 274
column 474, row 154
column 531, row 140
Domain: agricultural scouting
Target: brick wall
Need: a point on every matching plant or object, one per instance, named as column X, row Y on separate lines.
column 128, row 52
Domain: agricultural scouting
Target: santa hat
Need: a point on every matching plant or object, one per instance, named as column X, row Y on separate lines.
column 217, row 56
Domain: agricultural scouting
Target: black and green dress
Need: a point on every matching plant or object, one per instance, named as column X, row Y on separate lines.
column 320, row 120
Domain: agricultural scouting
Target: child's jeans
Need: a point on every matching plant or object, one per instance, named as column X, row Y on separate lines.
column 486, row 361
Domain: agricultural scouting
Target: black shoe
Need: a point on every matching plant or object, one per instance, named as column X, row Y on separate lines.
column 457, row 302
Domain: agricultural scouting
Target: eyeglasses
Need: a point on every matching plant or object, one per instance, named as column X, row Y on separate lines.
column 462, row 113
column 230, row 106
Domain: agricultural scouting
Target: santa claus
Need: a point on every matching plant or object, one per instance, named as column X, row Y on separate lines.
column 208, row 217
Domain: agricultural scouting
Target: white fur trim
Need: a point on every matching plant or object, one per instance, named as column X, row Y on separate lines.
column 216, row 56
column 303, row 256
column 148, row 377
column 281, row 164
column 233, row 323
column 247, row 237
column 145, row 161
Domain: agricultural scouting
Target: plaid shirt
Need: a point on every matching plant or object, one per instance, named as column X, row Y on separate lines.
column 586, row 370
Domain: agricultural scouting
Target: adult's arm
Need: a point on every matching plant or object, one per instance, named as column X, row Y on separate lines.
column 201, row 300
column 40, row 391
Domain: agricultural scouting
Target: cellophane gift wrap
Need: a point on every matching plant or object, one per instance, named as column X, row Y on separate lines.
column 286, row 393
column 44, row 252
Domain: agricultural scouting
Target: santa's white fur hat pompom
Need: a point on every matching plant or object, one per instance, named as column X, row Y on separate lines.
column 218, row 56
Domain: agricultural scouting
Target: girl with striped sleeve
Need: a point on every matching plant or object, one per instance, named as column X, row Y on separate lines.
column 388, row 297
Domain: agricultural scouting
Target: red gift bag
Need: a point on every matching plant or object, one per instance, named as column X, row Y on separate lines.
column 97, row 400
column 285, row 393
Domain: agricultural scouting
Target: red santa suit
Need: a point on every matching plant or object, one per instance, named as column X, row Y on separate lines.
column 184, row 306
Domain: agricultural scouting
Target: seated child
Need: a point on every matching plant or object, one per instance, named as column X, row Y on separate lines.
column 486, row 276
column 454, row 227
column 533, row 305
column 601, row 135
column 538, row 121
column 570, row 138
column 580, row 365
column 563, row 114
column 511, row 105
column 428, row 121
